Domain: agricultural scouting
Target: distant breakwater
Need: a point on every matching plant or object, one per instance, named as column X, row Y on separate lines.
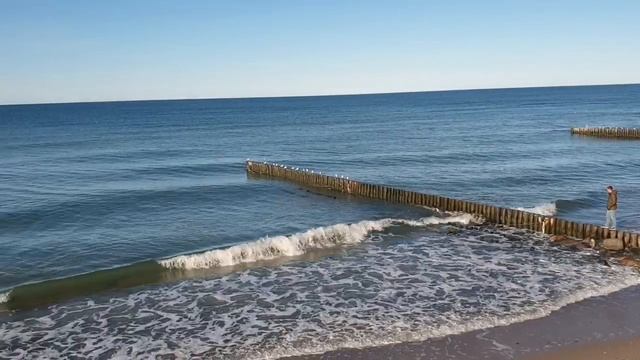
column 493, row 214
column 608, row 132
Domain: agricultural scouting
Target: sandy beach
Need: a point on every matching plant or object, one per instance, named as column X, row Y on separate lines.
column 615, row 350
column 606, row 327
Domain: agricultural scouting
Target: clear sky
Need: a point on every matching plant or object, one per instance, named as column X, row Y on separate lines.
column 59, row 51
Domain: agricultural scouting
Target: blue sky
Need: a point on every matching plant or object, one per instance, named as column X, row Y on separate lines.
column 60, row 51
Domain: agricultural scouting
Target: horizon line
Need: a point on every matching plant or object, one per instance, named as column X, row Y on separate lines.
column 316, row 95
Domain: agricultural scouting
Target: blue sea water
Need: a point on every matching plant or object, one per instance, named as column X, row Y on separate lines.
column 94, row 186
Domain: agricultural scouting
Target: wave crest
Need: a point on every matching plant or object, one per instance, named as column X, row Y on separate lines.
column 297, row 244
column 548, row 209
column 4, row 297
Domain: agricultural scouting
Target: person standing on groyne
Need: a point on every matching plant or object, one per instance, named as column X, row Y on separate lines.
column 612, row 206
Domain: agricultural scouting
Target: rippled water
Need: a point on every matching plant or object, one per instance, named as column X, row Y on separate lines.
column 388, row 289
column 87, row 187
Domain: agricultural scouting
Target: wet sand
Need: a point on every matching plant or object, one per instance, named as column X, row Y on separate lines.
column 615, row 350
column 606, row 327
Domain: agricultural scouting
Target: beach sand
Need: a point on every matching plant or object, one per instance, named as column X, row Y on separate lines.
column 606, row 327
column 615, row 350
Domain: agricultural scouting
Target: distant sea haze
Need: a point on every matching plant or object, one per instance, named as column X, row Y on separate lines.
column 132, row 228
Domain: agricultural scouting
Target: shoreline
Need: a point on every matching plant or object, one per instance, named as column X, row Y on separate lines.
column 613, row 350
column 601, row 327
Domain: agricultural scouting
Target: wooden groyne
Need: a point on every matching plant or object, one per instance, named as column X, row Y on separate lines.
column 608, row 132
column 493, row 214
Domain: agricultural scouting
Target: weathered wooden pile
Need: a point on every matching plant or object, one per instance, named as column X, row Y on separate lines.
column 493, row 214
column 609, row 132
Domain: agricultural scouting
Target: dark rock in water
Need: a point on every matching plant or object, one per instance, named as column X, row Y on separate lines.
column 512, row 237
column 605, row 262
column 630, row 261
column 567, row 242
column 490, row 238
column 558, row 238
column 166, row 357
column 453, row 231
column 574, row 246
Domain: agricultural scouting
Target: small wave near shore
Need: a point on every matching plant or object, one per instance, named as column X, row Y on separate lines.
column 298, row 244
column 170, row 270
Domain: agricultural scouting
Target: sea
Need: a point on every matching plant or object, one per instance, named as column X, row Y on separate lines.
column 131, row 229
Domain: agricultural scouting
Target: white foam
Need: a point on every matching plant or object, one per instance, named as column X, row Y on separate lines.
column 4, row 297
column 547, row 209
column 457, row 325
column 431, row 284
column 297, row 244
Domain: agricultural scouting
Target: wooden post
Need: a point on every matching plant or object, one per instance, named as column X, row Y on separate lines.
column 520, row 220
column 590, row 231
column 432, row 201
column 626, row 238
column 570, row 228
column 526, row 220
column 508, row 218
column 499, row 215
column 542, row 224
column 555, row 229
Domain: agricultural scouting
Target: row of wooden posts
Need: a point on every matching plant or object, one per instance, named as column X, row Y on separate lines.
column 622, row 133
column 493, row 214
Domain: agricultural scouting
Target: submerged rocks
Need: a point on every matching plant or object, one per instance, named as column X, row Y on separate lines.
column 567, row 242
column 558, row 238
column 453, row 230
column 630, row 261
column 612, row 244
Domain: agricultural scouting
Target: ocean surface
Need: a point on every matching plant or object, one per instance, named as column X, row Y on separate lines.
column 130, row 229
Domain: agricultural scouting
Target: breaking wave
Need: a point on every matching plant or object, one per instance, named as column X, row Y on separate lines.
column 431, row 284
column 158, row 271
column 298, row 244
column 548, row 209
